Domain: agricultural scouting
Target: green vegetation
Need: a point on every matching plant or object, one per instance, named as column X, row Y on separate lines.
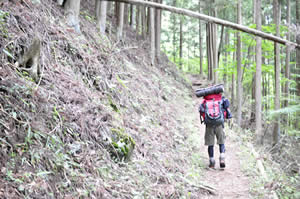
column 122, row 144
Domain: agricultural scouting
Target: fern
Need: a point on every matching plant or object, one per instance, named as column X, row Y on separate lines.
column 287, row 110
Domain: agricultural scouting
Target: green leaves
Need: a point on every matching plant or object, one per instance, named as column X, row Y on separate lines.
column 3, row 32
column 287, row 110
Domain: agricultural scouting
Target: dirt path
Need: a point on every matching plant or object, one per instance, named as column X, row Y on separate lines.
column 231, row 182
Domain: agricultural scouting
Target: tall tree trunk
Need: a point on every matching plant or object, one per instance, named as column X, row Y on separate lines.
column 72, row 8
column 239, row 90
column 297, row 122
column 148, row 21
column 233, row 82
column 174, row 43
column 226, row 62
column 97, row 8
column 101, row 16
column 174, row 25
column 252, row 115
column 220, row 46
column 120, row 21
column 253, row 88
column 209, row 50
column 157, row 31
column 144, row 22
column 211, row 45
column 258, row 123
column 138, row 19
column 116, row 10
column 126, row 14
column 152, row 35
column 215, row 53
column 181, row 42
column 200, row 43
column 214, row 20
column 265, row 90
column 287, row 57
column 277, row 16
column 188, row 47
column 109, row 7
column 265, row 94
column 132, row 16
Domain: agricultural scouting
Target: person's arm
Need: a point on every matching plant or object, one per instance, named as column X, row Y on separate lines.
column 202, row 111
column 226, row 105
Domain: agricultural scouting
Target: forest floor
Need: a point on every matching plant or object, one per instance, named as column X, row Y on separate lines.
column 231, row 182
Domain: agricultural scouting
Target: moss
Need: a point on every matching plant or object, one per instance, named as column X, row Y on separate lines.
column 113, row 105
column 4, row 30
column 122, row 145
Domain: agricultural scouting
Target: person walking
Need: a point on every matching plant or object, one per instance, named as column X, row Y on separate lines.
column 214, row 109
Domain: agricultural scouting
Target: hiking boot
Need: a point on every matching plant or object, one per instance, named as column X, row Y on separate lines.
column 222, row 160
column 212, row 163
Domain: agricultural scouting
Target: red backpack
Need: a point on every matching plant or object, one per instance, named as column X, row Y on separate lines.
column 211, row 110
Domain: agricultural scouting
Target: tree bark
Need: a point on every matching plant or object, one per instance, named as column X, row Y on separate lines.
column 132, row 16
column 97, row 8
column 181, row 42
column 109, row 7
column 277, row 16
column 126, row 14
column 157, row 31
column 233, row 82
column 72, row 8
column 264, row 91
column 138, row 20
column 239, row 90
column 101, row 7
column 212, row 20
column 220, row 45
column 188, row 47
column 200, row 44
column 152, row 36
column 209, row 50
column 116, row 9
column 211, row 45
column 214, row 44
column 226, row 62
column 144, row 22
column 120, row 21
column 253, row 88
column 258, row 59
column 200, row 50
column 297, row 122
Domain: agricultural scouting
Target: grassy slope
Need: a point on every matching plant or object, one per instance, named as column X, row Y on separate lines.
column 52, row 134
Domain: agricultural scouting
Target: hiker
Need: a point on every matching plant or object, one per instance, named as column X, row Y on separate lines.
column 213, row 111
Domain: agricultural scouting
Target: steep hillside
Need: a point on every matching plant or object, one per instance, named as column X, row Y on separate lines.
column 56, row 135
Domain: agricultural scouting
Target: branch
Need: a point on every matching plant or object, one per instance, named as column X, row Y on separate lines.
column 205, row 187
column 211, row 20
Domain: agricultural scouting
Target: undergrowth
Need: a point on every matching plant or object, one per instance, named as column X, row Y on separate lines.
column 278, row 179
